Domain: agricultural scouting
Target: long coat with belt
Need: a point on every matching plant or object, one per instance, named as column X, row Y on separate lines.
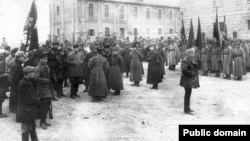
column 173, row 55
column 135, row 66
column 215, row 58
column 204, row 59
column 189, row 76
column 115, row 81
column 238, row 55
column 125, row 55
column 161, row 52
column 75, row 64
column 98, row 84
column 227, row 60
column 28, row 103
column 155, row 72
column 86, row 70
column 16, row 74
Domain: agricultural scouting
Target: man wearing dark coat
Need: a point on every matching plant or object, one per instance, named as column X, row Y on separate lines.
column 189, row 77
column 135, row 66
column 98, row 84
column 125, row 55
column 155, row 71
column 87, row 70
column 75, row 70
column 115, row 81
column 16, row 74
column 28, row 103
column 44, row 88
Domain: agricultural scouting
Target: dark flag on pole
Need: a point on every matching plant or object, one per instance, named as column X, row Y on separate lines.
column 224, row 33
column 199, row 38
column 191, row 35
column 183, row 34
column 30, row 29
column 216, row 33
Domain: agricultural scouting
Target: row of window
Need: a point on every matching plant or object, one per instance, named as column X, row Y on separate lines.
column 121, row 12
column 91, row 32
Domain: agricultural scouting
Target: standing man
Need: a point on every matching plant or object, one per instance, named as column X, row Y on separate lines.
column 115, row 81
column 155, row 72
column 16, row 74
column 4, row 43
column 27, row 105
column 238, row 56
column 215, row 60
column 173, row 55
column 227, row 61
column 204, row 60
column 75, row 70
column 98, row 84
column 125, row 55
column 189, row 78
column 44, row 88
column 135, row 66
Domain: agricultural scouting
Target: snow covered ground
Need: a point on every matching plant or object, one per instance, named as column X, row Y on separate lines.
column 141, row 114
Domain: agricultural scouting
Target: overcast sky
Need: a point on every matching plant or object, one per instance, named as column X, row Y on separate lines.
column 13, row 14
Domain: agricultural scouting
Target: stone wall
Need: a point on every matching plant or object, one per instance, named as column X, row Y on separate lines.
column 237, row 14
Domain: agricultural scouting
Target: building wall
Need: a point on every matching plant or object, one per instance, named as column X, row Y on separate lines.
column 237, row 14
column 74, row 21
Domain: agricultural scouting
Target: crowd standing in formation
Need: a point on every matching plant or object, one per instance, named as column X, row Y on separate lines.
column 36, row 77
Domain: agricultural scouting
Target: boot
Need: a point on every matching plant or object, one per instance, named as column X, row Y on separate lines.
column 127, row 75
column 25, row 136
column 43, row 125
column 86, row 89
column 117, row 92
column 33, row 134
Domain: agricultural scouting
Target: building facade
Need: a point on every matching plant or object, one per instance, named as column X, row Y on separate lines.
column 70, row 19
column 236, row 13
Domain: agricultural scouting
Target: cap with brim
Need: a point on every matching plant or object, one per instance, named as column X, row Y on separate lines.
column 28, row 69
column 20, row 54
column 43, row 55
column 14, row 50
column 76, row 46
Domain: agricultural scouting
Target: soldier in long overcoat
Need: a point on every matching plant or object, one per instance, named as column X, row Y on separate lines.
column 115, row 81
column 98, row 84
column 16, row 74
column 238, row 56
column 227, row 61
column 155, row 71
column 125, row 55
column 87, row 70
column 215, row 60
column 172, row 56
column 135, row 66
column 189, row 78
column 28, row 105
column 204, row 60
column 161, row 52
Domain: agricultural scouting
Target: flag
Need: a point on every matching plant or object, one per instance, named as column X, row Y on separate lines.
column 216, row 33
column 183, row 34
column 30, row 29
column 199, row 38
column 224, row 33
column 191, row 35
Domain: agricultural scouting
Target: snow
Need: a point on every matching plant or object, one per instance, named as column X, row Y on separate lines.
column 141, row 114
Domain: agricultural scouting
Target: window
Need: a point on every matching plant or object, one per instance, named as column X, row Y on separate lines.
column 148, row 31
column 159, row 31
column 106, row 11
column 159, row 14
column 57, row 10
column 170, row 31
column 91, row 32
column 135, row 32
column 58, row 32
column 218, row 3
column 170, row 15
column 121, row 12
column 122, row 32
column 148, row 14
column 91, row 10
column 135, row 12
column 248, row 22
column 106, row 31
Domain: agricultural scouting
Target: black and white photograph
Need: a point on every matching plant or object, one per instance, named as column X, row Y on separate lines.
column 124, row 70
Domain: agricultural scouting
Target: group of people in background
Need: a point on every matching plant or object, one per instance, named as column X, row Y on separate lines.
column 36, row 77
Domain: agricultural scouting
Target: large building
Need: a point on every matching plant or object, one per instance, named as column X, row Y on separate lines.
column 237, row 13
column 70, row 19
